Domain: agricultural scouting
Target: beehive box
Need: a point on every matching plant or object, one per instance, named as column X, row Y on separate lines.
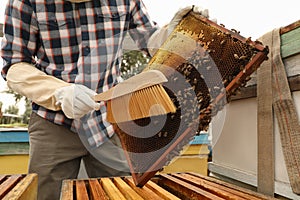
column 235, row 147
column 193, row 158
column 172, row 186
column 18, row 187
column 14, row 150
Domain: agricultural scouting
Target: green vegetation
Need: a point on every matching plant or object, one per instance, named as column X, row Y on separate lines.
column 133, row 63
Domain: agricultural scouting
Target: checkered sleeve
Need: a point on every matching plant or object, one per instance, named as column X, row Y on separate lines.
column 141, row 27
column 20, row 31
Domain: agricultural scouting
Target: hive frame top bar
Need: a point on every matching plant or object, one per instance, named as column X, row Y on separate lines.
column 234, row 33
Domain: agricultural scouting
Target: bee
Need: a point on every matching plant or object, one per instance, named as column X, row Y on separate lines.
column 243, row 57
column 235, row 31
column 166, row 134
column 236, row 56
column 248, row 78
column 195, row 81
column 248, row 40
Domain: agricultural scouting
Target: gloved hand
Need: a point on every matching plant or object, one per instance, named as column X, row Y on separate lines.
column 50, row 92
column 76, row 100
column 182, row 12
column 159, row 36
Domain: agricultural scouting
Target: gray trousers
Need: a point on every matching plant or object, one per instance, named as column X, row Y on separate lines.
column 56, row 154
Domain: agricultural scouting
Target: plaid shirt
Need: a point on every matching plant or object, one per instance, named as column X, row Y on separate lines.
column 78, row 43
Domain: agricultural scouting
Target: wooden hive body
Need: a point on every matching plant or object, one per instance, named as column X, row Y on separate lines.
column 173, row 186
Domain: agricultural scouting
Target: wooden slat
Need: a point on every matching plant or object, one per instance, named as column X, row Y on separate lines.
column 145, row 192
column 164, row 194
column 290, row 27
column 184, row 189
column 13, row 148
column 250, row 92
column 2, row 177
column 225, row 192
column 111, row 190
column 290, row 43
column 294, row 82
column 96, row 190
column 67, row 190
column 214, row 189
column 81, row 191
column 8, row 184
column 25, row 189
column 126, row 190
column 228, row 185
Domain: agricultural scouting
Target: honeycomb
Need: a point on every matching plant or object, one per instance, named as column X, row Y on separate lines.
column 205, row 64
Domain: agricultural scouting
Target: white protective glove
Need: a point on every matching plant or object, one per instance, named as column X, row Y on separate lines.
column 50, row 92
column 76, row 100
column 182, row 12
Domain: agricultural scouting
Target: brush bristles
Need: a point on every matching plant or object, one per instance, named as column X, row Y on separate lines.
column 147, row 102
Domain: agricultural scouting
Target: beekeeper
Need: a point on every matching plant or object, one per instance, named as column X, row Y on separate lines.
column 59, row 54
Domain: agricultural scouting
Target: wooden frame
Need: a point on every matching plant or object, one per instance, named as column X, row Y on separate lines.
column 183, row 42
column 172, row 186
column 18, row 187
